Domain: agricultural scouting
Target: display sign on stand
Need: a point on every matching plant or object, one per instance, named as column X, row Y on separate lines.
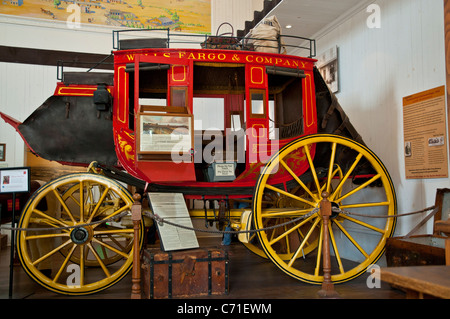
column 172, row 207
column 14, row 180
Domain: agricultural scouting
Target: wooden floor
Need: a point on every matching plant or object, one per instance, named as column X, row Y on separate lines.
column 251, row 277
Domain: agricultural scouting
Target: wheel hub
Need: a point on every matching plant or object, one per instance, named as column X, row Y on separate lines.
column 80, row 235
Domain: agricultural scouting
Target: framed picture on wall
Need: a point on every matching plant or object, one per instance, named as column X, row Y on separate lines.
column 2, row 152
column 328, row 66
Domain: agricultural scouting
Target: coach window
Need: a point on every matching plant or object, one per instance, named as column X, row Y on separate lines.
column 178, row 96
column 152, row 89
column 286, row 107
column 258, row 102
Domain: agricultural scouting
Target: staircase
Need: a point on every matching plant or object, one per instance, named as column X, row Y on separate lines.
column 258, row 16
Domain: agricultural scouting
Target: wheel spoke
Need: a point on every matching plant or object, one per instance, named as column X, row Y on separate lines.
column 115, row 231
column 31, row 237
column 353, row 241
column 299, row 249
column 330, row 168
column 336, row 192
column 82, row 203
column 63, row 266
column 63, row 204
column 286, row 241
column 319, row 251
column 361, row 223
column 121, row 253
column 357, row 189
column 273, row 241
column 117, row 242
column 313, row 169
column 54, row 220
column 365, row 205
column 288, row 169
column 82, row 262
column 275, row 189
column 280, row 212
column 117, row 212
column 99, row 260
column 336, row 250
column 100, row 201
column 37, row 261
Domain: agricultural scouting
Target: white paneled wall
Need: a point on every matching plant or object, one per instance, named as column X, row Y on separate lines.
column 23, row 88
column 380, row 66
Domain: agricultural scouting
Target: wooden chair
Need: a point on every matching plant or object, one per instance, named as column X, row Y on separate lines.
column 442, row 226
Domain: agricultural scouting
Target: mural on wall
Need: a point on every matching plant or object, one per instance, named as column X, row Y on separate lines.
column 192, row 16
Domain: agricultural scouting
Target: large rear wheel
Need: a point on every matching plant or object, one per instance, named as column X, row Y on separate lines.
column 363, row 201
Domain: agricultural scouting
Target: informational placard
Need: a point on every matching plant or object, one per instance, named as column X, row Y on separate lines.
column 425, row 138
column 172, row 207
column 14, row 180
column 224, row 169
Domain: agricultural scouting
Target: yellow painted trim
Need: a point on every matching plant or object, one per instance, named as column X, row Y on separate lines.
column 184, row 73
column 76, row 88
column 262, row 75
column 121, row 81
column 309, row 102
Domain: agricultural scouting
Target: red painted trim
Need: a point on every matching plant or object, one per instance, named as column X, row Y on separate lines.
column 15, row 123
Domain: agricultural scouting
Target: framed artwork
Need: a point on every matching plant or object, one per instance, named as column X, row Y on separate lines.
column 2, row 152
column 168, row 134
column 328, row 66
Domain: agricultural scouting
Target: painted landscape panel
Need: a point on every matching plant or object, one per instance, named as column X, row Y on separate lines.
column 192, row 16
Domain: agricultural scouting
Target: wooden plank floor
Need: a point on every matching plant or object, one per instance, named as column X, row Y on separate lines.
column 251, row 277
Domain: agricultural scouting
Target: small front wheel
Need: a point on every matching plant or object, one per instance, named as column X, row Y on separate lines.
column 72, row 245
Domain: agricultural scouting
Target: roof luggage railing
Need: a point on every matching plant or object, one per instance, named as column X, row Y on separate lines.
column 108, row 77
column 164, row 38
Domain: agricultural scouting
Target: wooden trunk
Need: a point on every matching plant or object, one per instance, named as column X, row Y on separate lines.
column 187, row 273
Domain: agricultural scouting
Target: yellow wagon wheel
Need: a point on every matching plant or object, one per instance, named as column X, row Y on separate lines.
column 363, row 201
column 69, row 228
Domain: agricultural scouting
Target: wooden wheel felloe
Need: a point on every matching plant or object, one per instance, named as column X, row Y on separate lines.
column 68, row 247
column 357, row 183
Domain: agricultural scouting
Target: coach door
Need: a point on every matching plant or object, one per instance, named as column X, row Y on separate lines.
column 163, row 118
column 257, row 112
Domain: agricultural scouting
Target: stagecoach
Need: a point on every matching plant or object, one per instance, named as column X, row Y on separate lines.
column 251, row 140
